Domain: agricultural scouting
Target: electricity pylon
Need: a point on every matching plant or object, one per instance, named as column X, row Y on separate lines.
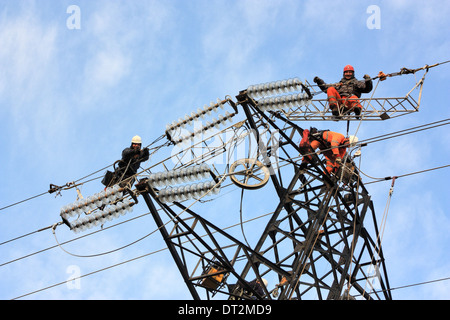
column 322, row 237
column 321, row 242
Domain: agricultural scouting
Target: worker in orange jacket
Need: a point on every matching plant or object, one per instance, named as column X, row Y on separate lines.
column 343, row 96
column 333, row 145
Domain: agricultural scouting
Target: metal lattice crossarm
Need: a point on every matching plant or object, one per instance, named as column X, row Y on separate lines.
column 374, row 109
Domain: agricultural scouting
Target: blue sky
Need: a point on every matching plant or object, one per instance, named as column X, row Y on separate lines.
column 72, row 99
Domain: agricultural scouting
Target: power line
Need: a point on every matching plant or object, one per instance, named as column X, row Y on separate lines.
column 375, row 139
column 89, row 274
column 403, row 175
column 241, row 221
column 83, row 236
column 49, row 227
column 73, row 183
column 163, row 249
column 409, row 285
column 160, row 250
column 369, row 140
column 18, row 202
column 24, row 235
column 117, row 224
column 405, row 131
column 124, row 262
column 136, row 258
column 68, row 241
column 46, row 228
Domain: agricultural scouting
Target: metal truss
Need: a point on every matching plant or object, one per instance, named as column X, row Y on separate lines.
column 320, row 237
column 374, row 108
column 321, row 241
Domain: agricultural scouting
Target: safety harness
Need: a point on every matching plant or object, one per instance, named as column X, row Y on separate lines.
column 309, row 136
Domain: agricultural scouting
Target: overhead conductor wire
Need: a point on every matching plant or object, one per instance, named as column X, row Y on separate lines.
column 384, row 137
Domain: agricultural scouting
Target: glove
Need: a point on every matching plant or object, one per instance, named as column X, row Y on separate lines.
column 382, row 76
column 317, row 80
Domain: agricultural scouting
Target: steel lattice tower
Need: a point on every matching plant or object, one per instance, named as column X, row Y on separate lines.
column 321, row 237
column 321, row 242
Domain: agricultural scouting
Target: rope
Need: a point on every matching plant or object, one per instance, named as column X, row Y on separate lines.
column 403, row 71
column 382, row 227
column 382, row 76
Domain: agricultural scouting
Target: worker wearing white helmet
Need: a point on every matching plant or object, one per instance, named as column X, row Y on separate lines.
column 352, row 140
column 132, row 157
column 333, row 145
column 258, row 286
column 136, row 140
column 128, row 165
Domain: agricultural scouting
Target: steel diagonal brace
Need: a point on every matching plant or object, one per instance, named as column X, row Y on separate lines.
column 289, row 141
column 254, row 257
column 244, row 102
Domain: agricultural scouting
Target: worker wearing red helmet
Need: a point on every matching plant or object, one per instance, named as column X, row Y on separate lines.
column 343, row 96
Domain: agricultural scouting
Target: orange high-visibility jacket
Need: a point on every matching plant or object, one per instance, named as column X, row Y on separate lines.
column 335, row 142
column 335, row 139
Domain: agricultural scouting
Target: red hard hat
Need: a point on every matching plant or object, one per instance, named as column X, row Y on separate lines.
column 349, row 68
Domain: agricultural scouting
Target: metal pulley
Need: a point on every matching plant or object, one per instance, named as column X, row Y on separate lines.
column 249, row 174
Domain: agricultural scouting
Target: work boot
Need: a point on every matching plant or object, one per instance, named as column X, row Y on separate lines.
column 357, row 112
column 334, row 109
column 335, row 112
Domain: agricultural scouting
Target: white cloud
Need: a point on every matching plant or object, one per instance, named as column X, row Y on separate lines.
column 29, row 75
column 333, row 19
column 107, row 61
column 422, row 22
column 163, row 281
column 107, row 68
column 28, row 50
column 235, row 38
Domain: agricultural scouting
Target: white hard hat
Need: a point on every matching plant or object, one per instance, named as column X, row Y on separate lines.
column 265, row 282
column 136, row 139
column 352, row 140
